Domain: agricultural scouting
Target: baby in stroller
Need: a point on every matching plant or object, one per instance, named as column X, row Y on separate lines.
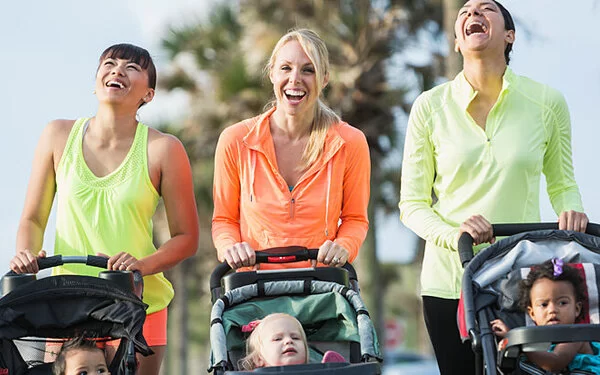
column 278, row 340
column 39, row 316
column 80, row 355
column 501, row 282
column 554, row 293
column 324, row 303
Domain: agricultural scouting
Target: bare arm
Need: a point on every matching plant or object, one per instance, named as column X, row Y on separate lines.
column 180, row 205
column 559, row 358
column 40, row 195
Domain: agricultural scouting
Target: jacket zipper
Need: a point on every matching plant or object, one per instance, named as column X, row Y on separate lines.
column 292, row 207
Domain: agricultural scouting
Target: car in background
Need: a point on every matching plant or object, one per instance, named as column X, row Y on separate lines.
column 402, row 362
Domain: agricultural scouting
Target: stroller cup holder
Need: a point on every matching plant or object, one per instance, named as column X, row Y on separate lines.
column 11, row 281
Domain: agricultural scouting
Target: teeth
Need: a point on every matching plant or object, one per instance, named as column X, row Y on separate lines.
column 294, row 92
column 469, row 27
column 115, row 83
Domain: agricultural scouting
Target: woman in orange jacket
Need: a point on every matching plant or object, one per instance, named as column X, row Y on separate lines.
column 296, row 174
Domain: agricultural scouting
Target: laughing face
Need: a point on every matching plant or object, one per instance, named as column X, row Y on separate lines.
column 282, row 343
column 480, row 26
column 294, row 78
column 553, row 302
column 122, row 81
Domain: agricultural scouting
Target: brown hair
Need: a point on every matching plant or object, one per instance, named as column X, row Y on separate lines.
column 79, row 343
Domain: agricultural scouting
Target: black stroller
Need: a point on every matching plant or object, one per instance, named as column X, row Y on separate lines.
column 38, row 314
column 325, row 300
column 490, row 290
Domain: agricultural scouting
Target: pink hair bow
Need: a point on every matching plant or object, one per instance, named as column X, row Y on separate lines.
column 250, row 326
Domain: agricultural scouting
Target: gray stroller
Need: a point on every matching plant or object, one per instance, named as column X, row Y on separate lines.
column 490, row 290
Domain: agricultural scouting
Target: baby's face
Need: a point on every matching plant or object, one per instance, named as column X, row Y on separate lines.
column 553, row 302
column 86, row 362
column 282, row 344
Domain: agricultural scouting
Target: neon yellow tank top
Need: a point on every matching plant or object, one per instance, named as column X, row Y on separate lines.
column 108, row 214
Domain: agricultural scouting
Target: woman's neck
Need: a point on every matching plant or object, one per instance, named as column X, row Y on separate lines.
column 293, row 127
column 109, row 123
column 485, row 76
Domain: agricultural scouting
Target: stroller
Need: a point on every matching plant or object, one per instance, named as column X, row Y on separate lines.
column 325, row 300
column 37, row 316
column 490, row 290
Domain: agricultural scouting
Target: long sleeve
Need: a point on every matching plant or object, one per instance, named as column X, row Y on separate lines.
column 558, row 162
column 418, row 171
column 226, row 193
column 354, row 218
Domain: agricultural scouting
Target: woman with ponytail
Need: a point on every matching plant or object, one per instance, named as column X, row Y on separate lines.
column 296, row 174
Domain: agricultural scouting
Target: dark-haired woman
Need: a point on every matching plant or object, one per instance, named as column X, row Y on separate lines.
column 108, row 173
column 480, row 143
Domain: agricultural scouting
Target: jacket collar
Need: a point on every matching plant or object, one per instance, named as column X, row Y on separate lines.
column 463, row 92
column 259, row 139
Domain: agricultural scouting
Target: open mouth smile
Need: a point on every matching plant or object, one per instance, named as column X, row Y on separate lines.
column 475, row 27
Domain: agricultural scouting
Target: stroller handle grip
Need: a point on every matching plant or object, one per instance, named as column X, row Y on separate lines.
column 465, row 241
column 289, row 254
column 134, row 281
column 59, row 260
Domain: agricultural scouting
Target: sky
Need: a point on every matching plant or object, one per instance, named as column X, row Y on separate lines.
column 50, row 53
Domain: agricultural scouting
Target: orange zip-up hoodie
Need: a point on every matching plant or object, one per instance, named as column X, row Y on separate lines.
column 253, row 203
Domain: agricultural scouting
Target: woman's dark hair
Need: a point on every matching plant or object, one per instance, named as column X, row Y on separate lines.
column 509, row 24
column 133, row 53
column 547, row 270
column 78, row 343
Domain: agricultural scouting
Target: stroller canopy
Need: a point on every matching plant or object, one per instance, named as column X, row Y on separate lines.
column 70, row 305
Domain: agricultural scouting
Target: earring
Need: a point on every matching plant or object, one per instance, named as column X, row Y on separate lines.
column 94, row 92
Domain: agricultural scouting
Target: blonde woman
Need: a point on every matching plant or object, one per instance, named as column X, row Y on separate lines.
column 296, row 174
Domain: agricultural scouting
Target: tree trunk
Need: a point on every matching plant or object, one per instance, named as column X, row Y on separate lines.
column 454, row 59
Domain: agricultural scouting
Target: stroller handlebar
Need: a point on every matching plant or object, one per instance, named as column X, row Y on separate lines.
column 59, row 260
column 465, row 241
column 289, row 254
column 130, row 279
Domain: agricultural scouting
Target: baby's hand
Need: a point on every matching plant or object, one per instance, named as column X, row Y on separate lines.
column 499, row 327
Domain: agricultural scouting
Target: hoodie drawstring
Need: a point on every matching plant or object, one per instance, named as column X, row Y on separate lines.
column 252, row 169
column 327, row 199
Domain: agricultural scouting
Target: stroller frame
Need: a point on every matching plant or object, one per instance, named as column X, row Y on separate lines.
column 301, row 282
column 64, row 306
column 519, row 339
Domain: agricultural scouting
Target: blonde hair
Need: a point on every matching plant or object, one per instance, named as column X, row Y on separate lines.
column 325, row 117
column 254, row 342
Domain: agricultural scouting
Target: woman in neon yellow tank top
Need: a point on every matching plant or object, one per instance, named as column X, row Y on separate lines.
column 108, row 173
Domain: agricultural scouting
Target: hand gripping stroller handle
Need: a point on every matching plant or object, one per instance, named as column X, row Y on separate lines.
column 59, row 260
column 287, row 254
column 465, row 241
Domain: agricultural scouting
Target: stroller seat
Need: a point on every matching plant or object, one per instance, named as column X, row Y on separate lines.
column 43, row 369
column 325, row 301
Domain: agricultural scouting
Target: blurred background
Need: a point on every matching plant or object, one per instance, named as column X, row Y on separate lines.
column 210, row 56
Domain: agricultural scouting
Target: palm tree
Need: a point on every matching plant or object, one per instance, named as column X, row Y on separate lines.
column 219, row 64
column 453, row 60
